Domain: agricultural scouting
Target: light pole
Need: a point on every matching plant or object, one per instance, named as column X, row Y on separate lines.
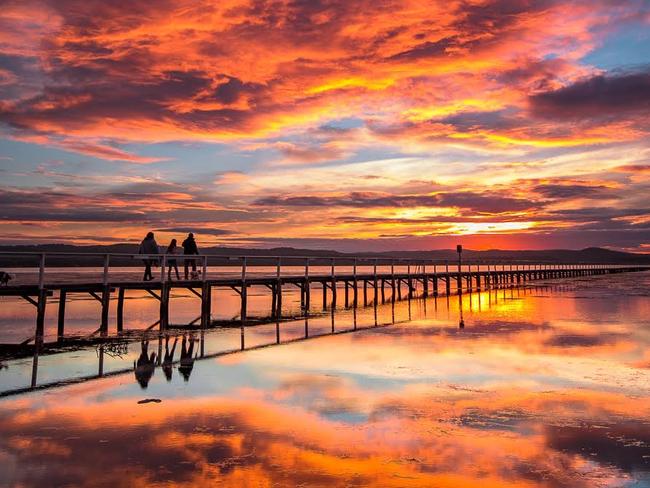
column 459, row 250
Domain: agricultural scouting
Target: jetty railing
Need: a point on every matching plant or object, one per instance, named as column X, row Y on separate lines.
column 249, row 266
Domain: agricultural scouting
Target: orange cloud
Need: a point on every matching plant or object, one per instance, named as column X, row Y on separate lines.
column 372, row 96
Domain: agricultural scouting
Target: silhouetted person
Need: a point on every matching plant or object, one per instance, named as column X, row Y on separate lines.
column 145, row 366
column 148, row 246
column 169, row 358
column 172, row 250
column 187, row 361
column 190, row 249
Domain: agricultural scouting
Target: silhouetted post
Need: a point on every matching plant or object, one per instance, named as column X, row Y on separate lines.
column 333, row 283
column 307, row 287
column 274, row 300
column 120, row 309
column 392, row 280
column 356, row 286
column 409, row 281
column 42, row 302
column 206, row 303
column 243, row 269
column 164, row 306
column 37, row 347
column 278, row 290
column 244, row 295
column 163, row 262
column 435, row 282
column 100, row 368
column 459, row 250
column 244, row 302
column 425, row 280
column 61, row 322
column 41, row 273
column 375, row 280
column 106, row 296
column 447, row 278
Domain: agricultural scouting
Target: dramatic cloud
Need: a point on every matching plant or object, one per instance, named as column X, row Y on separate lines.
column 597, row 97
column 327, row 119
column 478, row 202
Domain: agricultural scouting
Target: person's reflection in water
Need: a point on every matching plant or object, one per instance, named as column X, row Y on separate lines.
column 169, row 358
column 145, row 366
column 187, row 359
column 461, row 322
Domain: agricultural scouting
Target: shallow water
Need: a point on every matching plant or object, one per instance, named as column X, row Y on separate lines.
column 543, row 386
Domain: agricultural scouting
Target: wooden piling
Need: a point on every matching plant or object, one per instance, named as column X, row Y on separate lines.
column 60, row 330
column 274, row 299
column 164, row 306
column 120, row 309
column 106, row 301
column 40, row 314
column 244, row 303
column 206, row 304
column 279, row 300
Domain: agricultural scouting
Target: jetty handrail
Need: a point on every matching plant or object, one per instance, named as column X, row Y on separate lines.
column 315, row 257
column 246, row 262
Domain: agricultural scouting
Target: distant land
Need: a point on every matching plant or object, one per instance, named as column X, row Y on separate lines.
column 551, row 256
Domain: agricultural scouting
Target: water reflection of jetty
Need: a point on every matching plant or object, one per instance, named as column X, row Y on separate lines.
column 358, row 280
column 156, row 353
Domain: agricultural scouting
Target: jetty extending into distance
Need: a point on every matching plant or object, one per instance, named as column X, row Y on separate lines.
column 359, row 280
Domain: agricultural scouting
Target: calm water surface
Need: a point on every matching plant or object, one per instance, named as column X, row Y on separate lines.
column 546, row 386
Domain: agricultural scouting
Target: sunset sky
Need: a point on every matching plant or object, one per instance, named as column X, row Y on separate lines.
column 349, row 125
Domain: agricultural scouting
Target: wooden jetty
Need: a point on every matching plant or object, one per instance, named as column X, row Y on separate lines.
column 363, row 281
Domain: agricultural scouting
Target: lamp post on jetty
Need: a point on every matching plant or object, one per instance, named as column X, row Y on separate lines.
column 459, row 250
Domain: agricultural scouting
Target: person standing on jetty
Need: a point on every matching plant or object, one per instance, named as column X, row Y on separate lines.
column 172, row 252
column 190, row 249
column 148, row 246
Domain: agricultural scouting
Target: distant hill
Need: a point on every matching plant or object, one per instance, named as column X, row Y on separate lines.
column 590, row 255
